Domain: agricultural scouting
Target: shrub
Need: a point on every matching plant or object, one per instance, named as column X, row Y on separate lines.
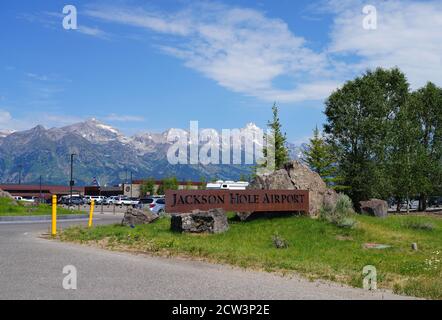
column 341, row 214
column 419, row 225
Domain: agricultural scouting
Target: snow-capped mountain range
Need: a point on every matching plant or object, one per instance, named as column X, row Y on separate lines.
column 103, row 152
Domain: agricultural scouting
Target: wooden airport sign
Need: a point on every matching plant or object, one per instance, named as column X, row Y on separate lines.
column 184, row 201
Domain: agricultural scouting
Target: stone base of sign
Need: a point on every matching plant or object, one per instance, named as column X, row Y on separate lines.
column 136, row 216
column 212, row 221
column 374, row 207
column 298, row 176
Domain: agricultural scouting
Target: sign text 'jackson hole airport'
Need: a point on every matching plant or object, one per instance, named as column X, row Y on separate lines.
column 239, row 201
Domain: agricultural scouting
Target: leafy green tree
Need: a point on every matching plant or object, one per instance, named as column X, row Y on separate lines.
column 359, row 118
column 402, row 154
column 170, row 183
column 189, row 185
column 148, row 187
column 279, row 139
column 203, row 182
column 427, row 107
column 318, row 155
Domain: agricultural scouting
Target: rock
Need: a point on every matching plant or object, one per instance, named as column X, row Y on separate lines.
column 278, row 180
column 243, row 216
column 330, row 198
column 414, row 246
column 374, row 207
column 212, row 221
column 4, row 194
column 298, row 176
column 136, row 216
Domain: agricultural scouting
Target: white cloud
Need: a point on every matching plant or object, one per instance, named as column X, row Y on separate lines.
column 5, row 117
column 241, row 49
column 92, row 31
column 10, row 122
column 37, row 76
column 408, row 36
column 245, row 51
column 123, row 118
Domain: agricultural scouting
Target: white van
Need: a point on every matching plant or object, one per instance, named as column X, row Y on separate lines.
column 227, row 185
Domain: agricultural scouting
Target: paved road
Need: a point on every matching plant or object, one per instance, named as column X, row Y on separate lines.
column 31, row 268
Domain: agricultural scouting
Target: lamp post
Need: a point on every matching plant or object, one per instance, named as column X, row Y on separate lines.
column 40, row 190
column 131, row 182
column 20, row 168
column 71, row 182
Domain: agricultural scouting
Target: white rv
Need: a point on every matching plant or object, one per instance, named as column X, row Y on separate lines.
column 227, row 185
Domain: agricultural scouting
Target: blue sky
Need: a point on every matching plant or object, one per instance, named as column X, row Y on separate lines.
column 152, row 65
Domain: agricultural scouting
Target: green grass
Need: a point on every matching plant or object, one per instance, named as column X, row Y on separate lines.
column 316, row 249
column 8, row 208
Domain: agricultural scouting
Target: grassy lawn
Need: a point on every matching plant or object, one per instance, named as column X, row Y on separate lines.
column 8, row 208
column 316, row 249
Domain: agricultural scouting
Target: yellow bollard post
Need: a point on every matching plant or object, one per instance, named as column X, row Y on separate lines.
column 91, row 213
column 54, row 215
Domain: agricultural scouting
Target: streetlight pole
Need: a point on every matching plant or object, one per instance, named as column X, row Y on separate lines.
column 40, row 190
column 131, row 182
column 71, row 182
column 20, row 168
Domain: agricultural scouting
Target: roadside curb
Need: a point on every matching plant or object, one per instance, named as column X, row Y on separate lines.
column 45, row 218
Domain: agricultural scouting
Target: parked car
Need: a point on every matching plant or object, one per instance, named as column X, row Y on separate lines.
column 155, row 204
column 76, row 200
column 25, row 199
column 435, row 202
column 97, row 199
column 109, row 200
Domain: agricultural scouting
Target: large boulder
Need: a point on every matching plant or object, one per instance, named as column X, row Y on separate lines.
column 298, row 176
column 374, row 207
column 4, row 194
column 135, row 216
column 212, row 221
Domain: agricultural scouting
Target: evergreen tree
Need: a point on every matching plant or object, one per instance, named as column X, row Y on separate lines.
column 320, row 159
column 278, row 139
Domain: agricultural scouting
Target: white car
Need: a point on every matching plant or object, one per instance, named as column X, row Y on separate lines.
column 111, row 200
column 97, row 199
column 126, row 201
column 25, row 199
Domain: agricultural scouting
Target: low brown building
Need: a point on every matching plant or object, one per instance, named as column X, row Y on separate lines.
column 44, row 191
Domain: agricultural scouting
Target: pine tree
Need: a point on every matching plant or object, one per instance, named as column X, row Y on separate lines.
column 279, row 139
column 320, row 159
